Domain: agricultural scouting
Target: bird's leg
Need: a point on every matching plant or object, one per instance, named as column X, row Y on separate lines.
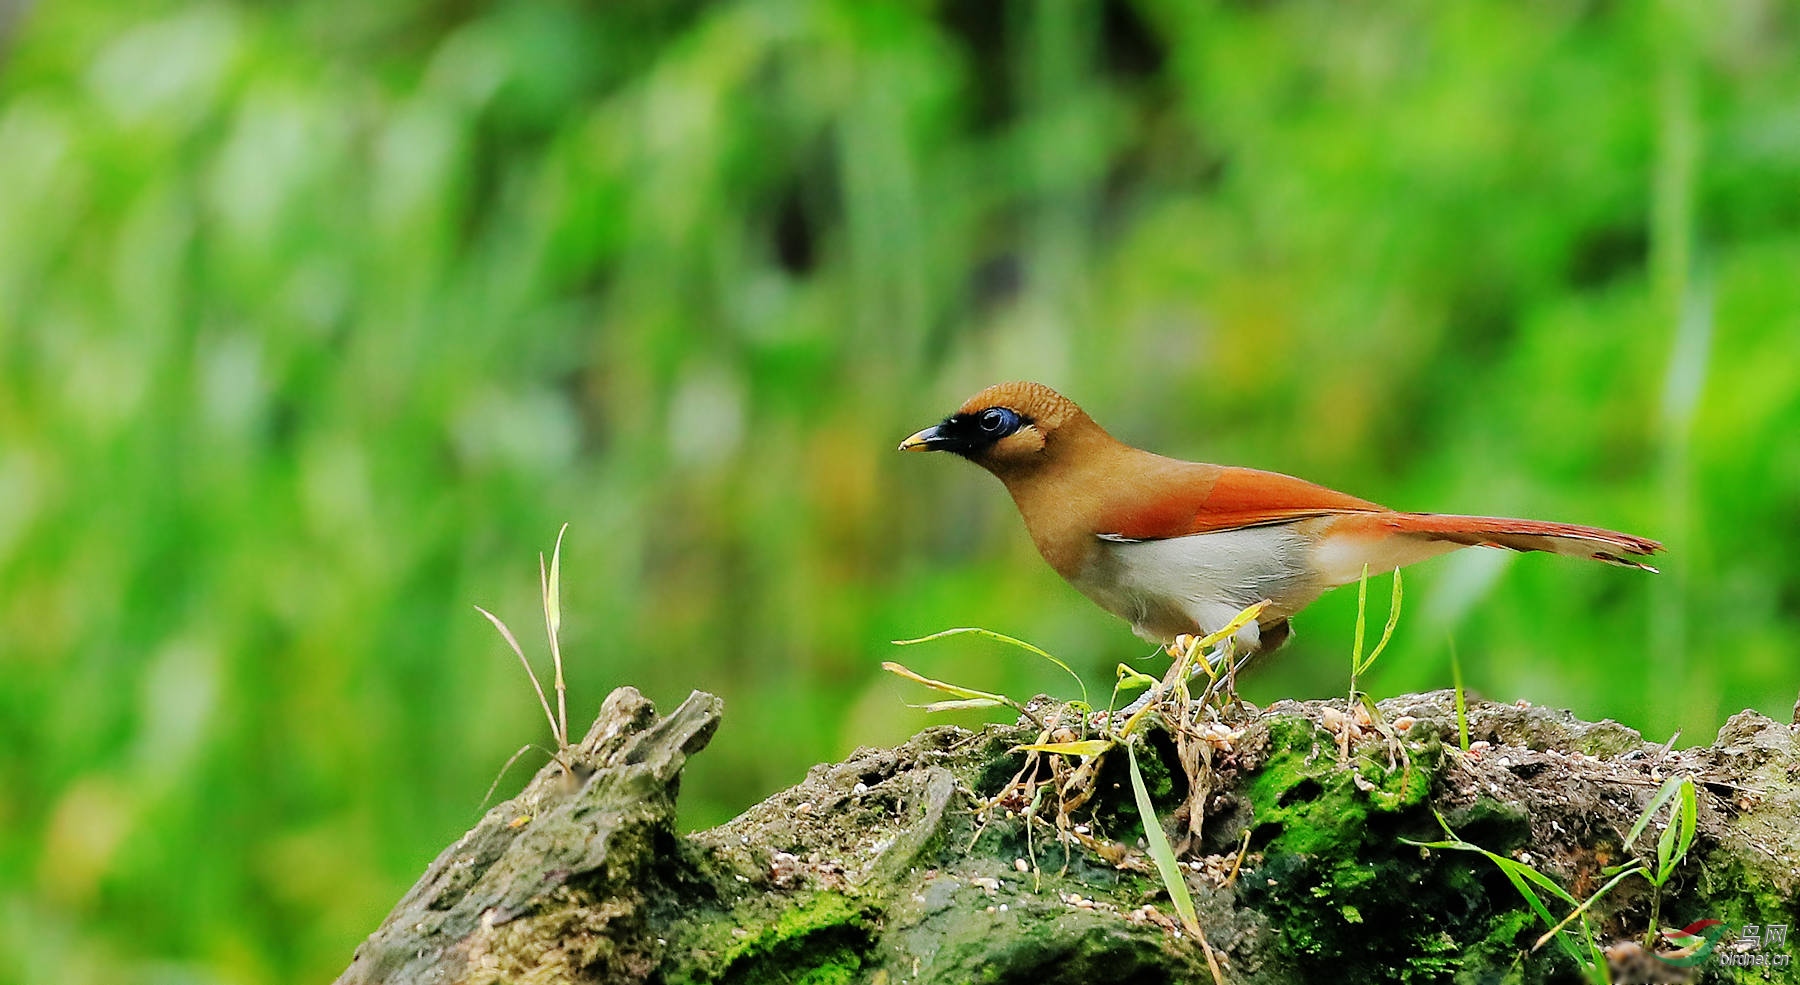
column 1220, row 657
column 1228, row 680
column 1223, row 685
column 1144, row 699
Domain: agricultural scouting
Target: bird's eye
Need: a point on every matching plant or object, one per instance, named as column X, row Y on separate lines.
column 998, row 420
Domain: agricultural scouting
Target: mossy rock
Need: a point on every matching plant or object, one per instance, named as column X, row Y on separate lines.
column 886, row 868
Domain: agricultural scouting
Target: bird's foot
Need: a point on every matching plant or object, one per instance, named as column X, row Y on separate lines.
column 1142, row 702
column 1216, row 665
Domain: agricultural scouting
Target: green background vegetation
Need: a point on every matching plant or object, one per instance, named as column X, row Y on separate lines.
column 317, row 319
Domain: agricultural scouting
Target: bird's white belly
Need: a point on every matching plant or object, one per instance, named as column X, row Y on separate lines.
column 1180, row 584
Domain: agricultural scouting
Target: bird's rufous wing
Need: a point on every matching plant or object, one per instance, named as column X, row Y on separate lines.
column 1207, row 498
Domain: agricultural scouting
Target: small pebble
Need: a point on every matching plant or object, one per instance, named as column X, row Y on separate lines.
column 1021, row 865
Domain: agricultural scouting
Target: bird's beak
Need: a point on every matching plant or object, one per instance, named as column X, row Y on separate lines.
column 930, row 439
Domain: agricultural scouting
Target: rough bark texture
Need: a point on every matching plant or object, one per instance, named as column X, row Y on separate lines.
column 886, row 869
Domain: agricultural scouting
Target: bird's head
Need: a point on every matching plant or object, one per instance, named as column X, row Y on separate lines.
column 1008, row 428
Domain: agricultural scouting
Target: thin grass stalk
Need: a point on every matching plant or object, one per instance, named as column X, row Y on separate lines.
column 507, row 635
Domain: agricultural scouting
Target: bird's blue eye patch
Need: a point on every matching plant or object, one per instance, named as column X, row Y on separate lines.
column 998, row 422
column 971, row 434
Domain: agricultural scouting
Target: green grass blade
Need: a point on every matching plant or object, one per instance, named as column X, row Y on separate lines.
column 1002, row 638
column 1460, row 846
column 1462, row 711
column 970, row 693
column 1083, row 747
column 1536, row 877
column 1530, row 895
column 960, row 704
column 1245, row 617
column 552, row 583
column 1583, row 908
column 553, row 586
column 506, row 634
column 1387, row 632
column 1523, row 877
column 1131, row 680
column 1678, row 834
column 1663, row 794
column 1160, row 850
column 1690, row 811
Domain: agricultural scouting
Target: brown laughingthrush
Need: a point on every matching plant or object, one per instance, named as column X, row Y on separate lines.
column 1177, row 547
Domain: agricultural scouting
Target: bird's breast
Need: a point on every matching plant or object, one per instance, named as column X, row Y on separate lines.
column 1198, row 582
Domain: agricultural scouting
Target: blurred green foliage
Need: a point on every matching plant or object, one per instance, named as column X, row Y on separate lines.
column 317, row 319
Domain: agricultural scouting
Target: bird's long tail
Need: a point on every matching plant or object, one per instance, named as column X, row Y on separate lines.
column 1567, row 539
column 1383, row 541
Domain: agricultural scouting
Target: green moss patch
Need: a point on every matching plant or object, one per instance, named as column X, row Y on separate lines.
column 822, row 939
column 1335, row 874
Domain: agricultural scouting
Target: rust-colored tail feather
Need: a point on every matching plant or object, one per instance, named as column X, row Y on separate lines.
column 1567, row 539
